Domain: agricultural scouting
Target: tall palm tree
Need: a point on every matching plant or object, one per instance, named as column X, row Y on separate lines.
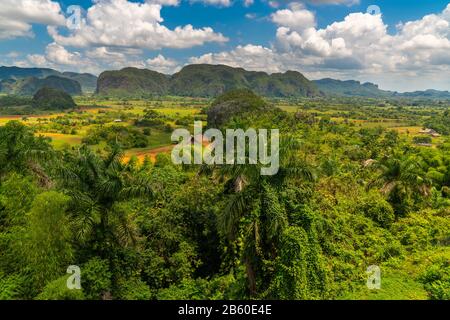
column 401, row 177
column 21, row 151
column 254, row 209
column 97, row 184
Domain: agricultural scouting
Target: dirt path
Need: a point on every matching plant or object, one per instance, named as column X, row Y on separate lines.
column 148, row 153
column 152, row 153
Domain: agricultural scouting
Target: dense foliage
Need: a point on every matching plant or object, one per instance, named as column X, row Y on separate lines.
column 29, row 86
column 52, row 99
column 345, row 198
column 10, row 75
column 204, row 81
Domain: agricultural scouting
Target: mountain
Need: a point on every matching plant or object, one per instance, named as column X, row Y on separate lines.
column 204, row 80
column 427, row 94
column 351, row 88
column 16, row 73
column 29, row 86
column 235, row 103
column 132, row 82
column 87, row 81
column 52, row 99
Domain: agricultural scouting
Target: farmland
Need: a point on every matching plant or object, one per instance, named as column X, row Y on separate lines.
column 68, row 129
column 363, row 183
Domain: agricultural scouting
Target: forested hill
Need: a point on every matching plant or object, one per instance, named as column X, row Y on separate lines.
column 88, row 82
column 29, row 86
column 352, row 88
column 205, row 81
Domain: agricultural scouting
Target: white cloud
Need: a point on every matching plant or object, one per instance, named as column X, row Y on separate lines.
column 58, row 57
column 274, row 4
column 37, row 60
column 165, row 2
column 120, row 23
column 357, row 47
column 345, row 2
column 296, row 18
column 162, row 64
column 220, row 3
column 248, row 3
column 361, row 41
column 250, row 57
column 57, row 54
column 17, row 16
column 98, row 59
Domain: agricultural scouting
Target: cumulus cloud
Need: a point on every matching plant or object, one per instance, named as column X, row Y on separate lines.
column 345, row 2
column 17, row 16
column 296, row 17
column 165, row 2
column 359, row 46
column 56, row 56
column 120, row 23
column 98, row 59
column 221, row 3
column 37, row 60
column 250, row 57
column 162, row 64
column 361, row 41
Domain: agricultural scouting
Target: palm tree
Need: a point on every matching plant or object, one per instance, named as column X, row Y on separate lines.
column 401, row 177
column 96, row 185
column 254, row 211
column 21, row 151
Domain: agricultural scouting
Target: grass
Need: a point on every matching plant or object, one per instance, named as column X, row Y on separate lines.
column 94, row 108
column 394, row 286
column 60, row 140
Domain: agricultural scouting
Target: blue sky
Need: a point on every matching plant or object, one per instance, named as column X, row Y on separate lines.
column 403, row 48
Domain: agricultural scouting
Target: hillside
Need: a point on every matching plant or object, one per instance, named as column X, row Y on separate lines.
column 427, row 94
column 29, row 86
column 21, row 73
column 235, row 103
column 87, row 81
column 132, row 82
column 351, row 88
column 52, row 99
column 204, row 81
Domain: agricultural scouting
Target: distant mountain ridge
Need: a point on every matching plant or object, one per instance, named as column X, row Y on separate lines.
column 350, row 88
column 198, row 80
column 353, row 88
column 202, row 80
column 30, row 85
column 88, row 82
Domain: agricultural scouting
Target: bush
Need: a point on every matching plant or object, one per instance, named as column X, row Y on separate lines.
column 375, row 207
column 437, row 280
column 57, row 290
column 95, row 278
column 52, row 99
column 133, row 289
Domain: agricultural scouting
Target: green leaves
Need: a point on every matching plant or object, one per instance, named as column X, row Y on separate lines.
column 47, row 245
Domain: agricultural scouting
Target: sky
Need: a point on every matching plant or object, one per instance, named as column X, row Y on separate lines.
column 401, row 45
